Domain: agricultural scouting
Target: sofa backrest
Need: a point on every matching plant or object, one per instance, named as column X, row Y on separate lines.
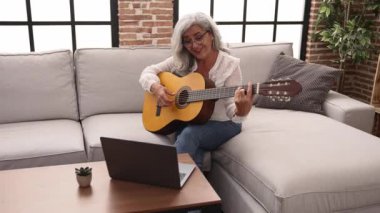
column 107, row 79
column 37, row 86
column 256, row 60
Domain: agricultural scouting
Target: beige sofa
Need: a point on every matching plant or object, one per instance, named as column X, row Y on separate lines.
column 54, row 107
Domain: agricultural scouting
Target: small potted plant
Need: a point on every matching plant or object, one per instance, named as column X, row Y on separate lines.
column 84, row 176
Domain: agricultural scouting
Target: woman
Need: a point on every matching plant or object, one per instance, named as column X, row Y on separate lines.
column 197, row 47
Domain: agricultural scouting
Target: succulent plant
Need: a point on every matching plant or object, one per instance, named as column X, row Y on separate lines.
column 83, row 171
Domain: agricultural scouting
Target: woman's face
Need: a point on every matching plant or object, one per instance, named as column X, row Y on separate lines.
column 198, row 42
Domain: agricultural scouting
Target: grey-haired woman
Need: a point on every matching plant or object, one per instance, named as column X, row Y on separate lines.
column 197, row 47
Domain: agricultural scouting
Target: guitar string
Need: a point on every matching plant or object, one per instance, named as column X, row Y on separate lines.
column 224, row 92
column 213, row 93
column 206, row 93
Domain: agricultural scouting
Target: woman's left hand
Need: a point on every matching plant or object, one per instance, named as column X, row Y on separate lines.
column 243, row 100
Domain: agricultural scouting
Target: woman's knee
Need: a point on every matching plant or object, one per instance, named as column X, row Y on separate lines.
column 187, row 140
column 189, row 133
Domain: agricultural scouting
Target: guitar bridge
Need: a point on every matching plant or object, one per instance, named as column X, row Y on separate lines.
column 158, row 111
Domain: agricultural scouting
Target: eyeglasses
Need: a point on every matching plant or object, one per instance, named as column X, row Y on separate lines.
column 197, row 39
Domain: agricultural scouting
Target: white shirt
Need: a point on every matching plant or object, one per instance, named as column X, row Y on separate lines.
column 225, row 73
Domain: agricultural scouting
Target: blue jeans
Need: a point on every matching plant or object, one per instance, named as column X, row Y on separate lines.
column 196, row 139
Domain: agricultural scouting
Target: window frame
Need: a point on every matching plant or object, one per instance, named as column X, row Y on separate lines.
column 275, row 22
column 114, row 23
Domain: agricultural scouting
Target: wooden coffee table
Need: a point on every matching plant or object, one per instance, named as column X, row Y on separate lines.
column 54, row 189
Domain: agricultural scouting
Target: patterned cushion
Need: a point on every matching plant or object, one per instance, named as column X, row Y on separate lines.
column 316, row 81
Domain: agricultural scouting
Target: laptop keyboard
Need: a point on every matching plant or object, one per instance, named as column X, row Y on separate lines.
column 181, row 175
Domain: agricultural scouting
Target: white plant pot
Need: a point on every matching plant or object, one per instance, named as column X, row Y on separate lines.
column 84, row 181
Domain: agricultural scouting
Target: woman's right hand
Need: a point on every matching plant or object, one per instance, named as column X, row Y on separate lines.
column 162, row 94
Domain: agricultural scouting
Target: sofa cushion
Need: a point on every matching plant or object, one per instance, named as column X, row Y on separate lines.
column 316, row 81
column 124, row 126
column 293, row 161
column 256, row 59
column 108, row 79
column 41, row 143
column 37, row 86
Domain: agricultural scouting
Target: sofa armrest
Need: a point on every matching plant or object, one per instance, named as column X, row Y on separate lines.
column 349, row 111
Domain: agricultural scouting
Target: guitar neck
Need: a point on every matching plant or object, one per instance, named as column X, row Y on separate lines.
column 217, row 93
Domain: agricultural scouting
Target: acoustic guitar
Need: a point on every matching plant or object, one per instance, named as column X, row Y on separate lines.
column 195, row 98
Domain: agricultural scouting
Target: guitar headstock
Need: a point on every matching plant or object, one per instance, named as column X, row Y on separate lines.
column 280, row 90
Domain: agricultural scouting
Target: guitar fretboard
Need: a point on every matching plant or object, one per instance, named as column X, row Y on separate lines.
column 213, row 93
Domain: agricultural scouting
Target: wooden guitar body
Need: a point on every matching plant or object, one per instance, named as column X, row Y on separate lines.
column 166, row 120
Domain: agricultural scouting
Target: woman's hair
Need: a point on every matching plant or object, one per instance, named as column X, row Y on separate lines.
column 182, row 58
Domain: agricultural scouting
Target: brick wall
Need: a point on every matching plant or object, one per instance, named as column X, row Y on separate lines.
column 359, row 78
column 145, row 22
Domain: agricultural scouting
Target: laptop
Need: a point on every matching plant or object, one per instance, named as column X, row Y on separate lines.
column 146, row 163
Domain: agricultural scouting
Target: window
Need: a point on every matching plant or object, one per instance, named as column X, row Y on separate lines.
column 38, row 25
column 255, row 21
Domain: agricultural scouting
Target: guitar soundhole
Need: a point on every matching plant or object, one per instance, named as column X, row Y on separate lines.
column 182, row 97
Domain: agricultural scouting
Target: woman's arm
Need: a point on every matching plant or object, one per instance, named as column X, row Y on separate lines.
column 151, row 83
column 239, row 106
column 149, row 75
